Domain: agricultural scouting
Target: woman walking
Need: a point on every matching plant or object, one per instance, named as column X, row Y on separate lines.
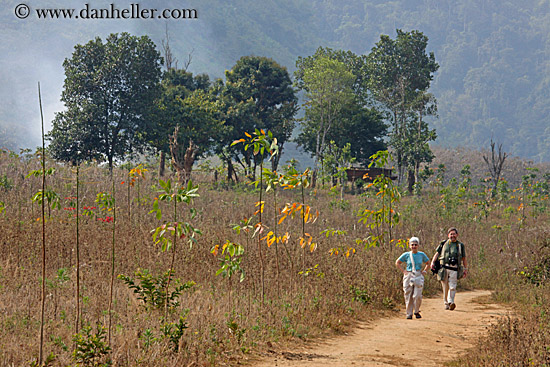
column 416, row 264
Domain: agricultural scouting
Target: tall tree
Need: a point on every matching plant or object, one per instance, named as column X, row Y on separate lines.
column 198, row 127
column 170, row 62
column 185, row 102
column 400, row 72
column 328, row 84
column 258, row 94
column 109, row 92
column 358, row 124
column 416, row 149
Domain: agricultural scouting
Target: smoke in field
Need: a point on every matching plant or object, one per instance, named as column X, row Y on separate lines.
column 33, row 50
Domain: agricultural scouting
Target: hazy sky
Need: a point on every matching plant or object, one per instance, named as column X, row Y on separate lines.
column 475, row 103
column 32, row 50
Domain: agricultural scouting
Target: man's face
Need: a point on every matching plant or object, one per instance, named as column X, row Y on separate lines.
column 453, row 236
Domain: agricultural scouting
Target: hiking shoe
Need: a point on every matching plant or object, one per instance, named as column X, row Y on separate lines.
column 452, row 306
column 447, row 307
column 409, row 317
column 418, row 316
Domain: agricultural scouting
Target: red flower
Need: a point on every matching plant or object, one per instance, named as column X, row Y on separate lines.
column 106, row 219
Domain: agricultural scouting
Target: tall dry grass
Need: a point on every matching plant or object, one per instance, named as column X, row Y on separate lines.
column 226, row 319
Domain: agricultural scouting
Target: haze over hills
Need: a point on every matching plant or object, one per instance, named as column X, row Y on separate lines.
column 493, row 81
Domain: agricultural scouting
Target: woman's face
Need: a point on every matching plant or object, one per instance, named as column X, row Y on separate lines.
column 414, row 247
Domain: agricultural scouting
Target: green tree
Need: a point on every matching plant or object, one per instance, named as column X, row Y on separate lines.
column 258, row 94
column 186, row 105
column 196, row 133
column 109, row 92
column 176, row 84
column 356, row 65
column 418, row 134
column 360, row 126
column 400, row 72
column 328, row 84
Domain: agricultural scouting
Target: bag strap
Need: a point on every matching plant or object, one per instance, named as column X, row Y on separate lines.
column 412, row 261
column 458, row 245
column 446, row 246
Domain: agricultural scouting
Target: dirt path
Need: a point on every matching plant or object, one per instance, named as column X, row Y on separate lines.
column 438, row 336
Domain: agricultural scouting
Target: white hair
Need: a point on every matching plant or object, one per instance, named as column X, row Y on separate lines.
column 414, row 239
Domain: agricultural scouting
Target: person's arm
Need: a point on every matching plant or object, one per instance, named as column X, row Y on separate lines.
column 464, row 267
column 426, row 265
column 398, row 266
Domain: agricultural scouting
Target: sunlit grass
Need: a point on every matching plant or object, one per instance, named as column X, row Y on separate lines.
column 312, row 293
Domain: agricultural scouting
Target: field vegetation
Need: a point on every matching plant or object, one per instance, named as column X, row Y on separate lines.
column 212, row 273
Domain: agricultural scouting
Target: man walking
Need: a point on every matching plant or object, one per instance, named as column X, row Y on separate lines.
column 451, row 256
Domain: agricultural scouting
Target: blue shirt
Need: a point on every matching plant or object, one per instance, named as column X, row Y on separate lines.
column 419, row 259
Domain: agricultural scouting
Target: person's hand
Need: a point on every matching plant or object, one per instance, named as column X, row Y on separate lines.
column 432, row 266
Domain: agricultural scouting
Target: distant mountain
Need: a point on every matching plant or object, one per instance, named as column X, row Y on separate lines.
column 493, row 80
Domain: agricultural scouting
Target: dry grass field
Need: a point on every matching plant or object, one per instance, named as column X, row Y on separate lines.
column 228, row 303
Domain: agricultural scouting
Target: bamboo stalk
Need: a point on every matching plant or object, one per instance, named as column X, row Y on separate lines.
column 173, row 251
column 77, row 319
column 262, row 271
column 112, row 259
column 43, row 292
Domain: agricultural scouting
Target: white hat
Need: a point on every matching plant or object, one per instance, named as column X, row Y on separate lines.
column 414, row 239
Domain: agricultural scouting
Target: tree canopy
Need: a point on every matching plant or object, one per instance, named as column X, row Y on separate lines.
column 184, row 102
column 400, row 72
column 109, row 92
column 258, row 94
column 336, row 106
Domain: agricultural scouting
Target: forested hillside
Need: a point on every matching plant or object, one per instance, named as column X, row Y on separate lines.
column 493, row 56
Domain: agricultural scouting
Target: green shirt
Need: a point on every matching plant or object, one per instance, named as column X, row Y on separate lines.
column 452, row 251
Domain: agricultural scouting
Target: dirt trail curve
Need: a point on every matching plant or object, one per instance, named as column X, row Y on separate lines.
column 438, row 337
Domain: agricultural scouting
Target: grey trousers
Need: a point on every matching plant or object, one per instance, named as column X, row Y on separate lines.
column 413, row 294
column 449, row 286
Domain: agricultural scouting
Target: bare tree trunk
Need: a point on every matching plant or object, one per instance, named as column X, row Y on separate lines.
column 175, row 151
column 43, row 285
column 255, row 168
column 182, row 160
column 496, row 164
column 189, row 159
column 230, row 170
column 411, row 180
column 162, row 163
column 417, row 163
column 276, row 158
